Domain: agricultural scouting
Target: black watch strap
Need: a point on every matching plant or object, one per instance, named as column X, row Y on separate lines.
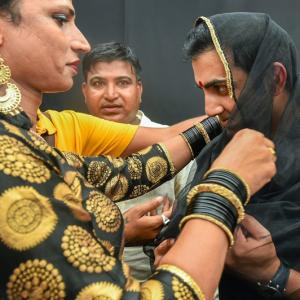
column 279, row 280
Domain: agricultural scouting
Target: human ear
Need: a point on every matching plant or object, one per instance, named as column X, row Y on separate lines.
column 280, row 76
column 141, row 90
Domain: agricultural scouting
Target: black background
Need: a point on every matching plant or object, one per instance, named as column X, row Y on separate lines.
column 156, row 30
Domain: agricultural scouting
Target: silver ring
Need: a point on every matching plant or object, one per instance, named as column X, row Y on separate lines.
column 165, row 219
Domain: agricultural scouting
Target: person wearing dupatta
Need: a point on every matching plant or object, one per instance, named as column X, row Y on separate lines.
column 246, row 65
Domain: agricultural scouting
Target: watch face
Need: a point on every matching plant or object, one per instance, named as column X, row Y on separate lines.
column 268, row 290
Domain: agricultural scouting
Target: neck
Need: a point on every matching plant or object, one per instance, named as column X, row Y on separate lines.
column 30, row 103
column 137, row 119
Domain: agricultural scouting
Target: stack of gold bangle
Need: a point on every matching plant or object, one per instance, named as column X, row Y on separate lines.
column 220, row 199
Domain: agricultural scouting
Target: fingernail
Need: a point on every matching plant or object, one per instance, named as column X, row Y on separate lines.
column 160, row 199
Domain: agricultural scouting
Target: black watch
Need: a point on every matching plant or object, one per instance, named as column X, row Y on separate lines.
column 275, row 287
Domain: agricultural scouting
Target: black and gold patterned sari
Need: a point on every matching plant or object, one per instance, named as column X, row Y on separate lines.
column 60, row 230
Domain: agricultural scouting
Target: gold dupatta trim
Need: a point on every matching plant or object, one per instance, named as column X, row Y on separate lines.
column 219, row 51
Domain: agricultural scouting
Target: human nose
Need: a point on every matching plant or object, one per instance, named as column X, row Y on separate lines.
column 79, row 42
column 111, row 92
column 212, row 106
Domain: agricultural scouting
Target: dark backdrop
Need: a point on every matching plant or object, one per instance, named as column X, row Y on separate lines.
column 156, row 30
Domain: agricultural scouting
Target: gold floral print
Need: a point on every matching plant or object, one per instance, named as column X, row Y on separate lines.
column 70, row 193
column 41, row 144
column 135, row 168
column 116, row 188
column 156, row 168
column 102, row 291
column 98, row 173
column 107, row 214
column 84, row 252
column 152, row 290
column 139, row 190
column 26, row 218
column 36, row 279
column 17, row 160
column 181, row 291
column 73, row 159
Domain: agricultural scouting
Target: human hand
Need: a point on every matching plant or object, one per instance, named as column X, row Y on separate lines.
column 143, row 223
column 249, row 154
column 161, row 250
column 253, row 254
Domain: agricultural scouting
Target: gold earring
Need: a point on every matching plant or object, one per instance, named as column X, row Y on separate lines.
column 10, row 101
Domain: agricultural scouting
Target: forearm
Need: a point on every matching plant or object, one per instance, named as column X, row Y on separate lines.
column 145, row 137
column 200, row 250
column 178, row 151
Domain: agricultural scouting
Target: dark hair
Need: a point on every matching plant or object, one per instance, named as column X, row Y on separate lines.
column 10, row 8
column 240, row 40
column 108, row 52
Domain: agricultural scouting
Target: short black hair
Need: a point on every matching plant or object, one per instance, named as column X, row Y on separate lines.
column 108, row 52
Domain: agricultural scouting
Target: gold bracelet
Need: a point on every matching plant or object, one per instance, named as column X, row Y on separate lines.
column 248, row 192
column 203, row 132
column 225, row 229
column 186, row 141
column 219, row 190
column 185, row 277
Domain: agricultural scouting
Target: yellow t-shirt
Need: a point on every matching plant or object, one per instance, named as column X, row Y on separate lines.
column 85, row 134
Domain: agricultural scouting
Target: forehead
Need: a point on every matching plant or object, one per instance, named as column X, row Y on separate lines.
column 208, row 66
column 114, row 68
column 35, row 6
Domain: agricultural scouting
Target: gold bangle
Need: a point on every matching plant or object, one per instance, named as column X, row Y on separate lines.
column 247, row 188
column 186, row 141
column 222, row 191
column 185, row 277
column 203, row 132
column 225, row 229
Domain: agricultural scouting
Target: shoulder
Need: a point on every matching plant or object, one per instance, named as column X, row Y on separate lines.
column 146, row 122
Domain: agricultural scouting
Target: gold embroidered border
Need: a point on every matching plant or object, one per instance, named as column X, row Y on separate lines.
column 220, row 53
column 203, row 132
column 185, row 278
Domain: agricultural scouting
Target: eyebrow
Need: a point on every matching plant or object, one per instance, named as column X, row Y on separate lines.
column 214, row 82
column 71, row 11
column 103, row 78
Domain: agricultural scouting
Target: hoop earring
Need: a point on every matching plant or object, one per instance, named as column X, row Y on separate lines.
column 10, row 101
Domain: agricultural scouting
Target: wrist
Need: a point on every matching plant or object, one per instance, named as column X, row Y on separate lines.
column 276, row 286
column 220, row 199
column 201, row 134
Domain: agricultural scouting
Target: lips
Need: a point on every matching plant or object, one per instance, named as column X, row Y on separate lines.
column 74, row 66
column 111, row 109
